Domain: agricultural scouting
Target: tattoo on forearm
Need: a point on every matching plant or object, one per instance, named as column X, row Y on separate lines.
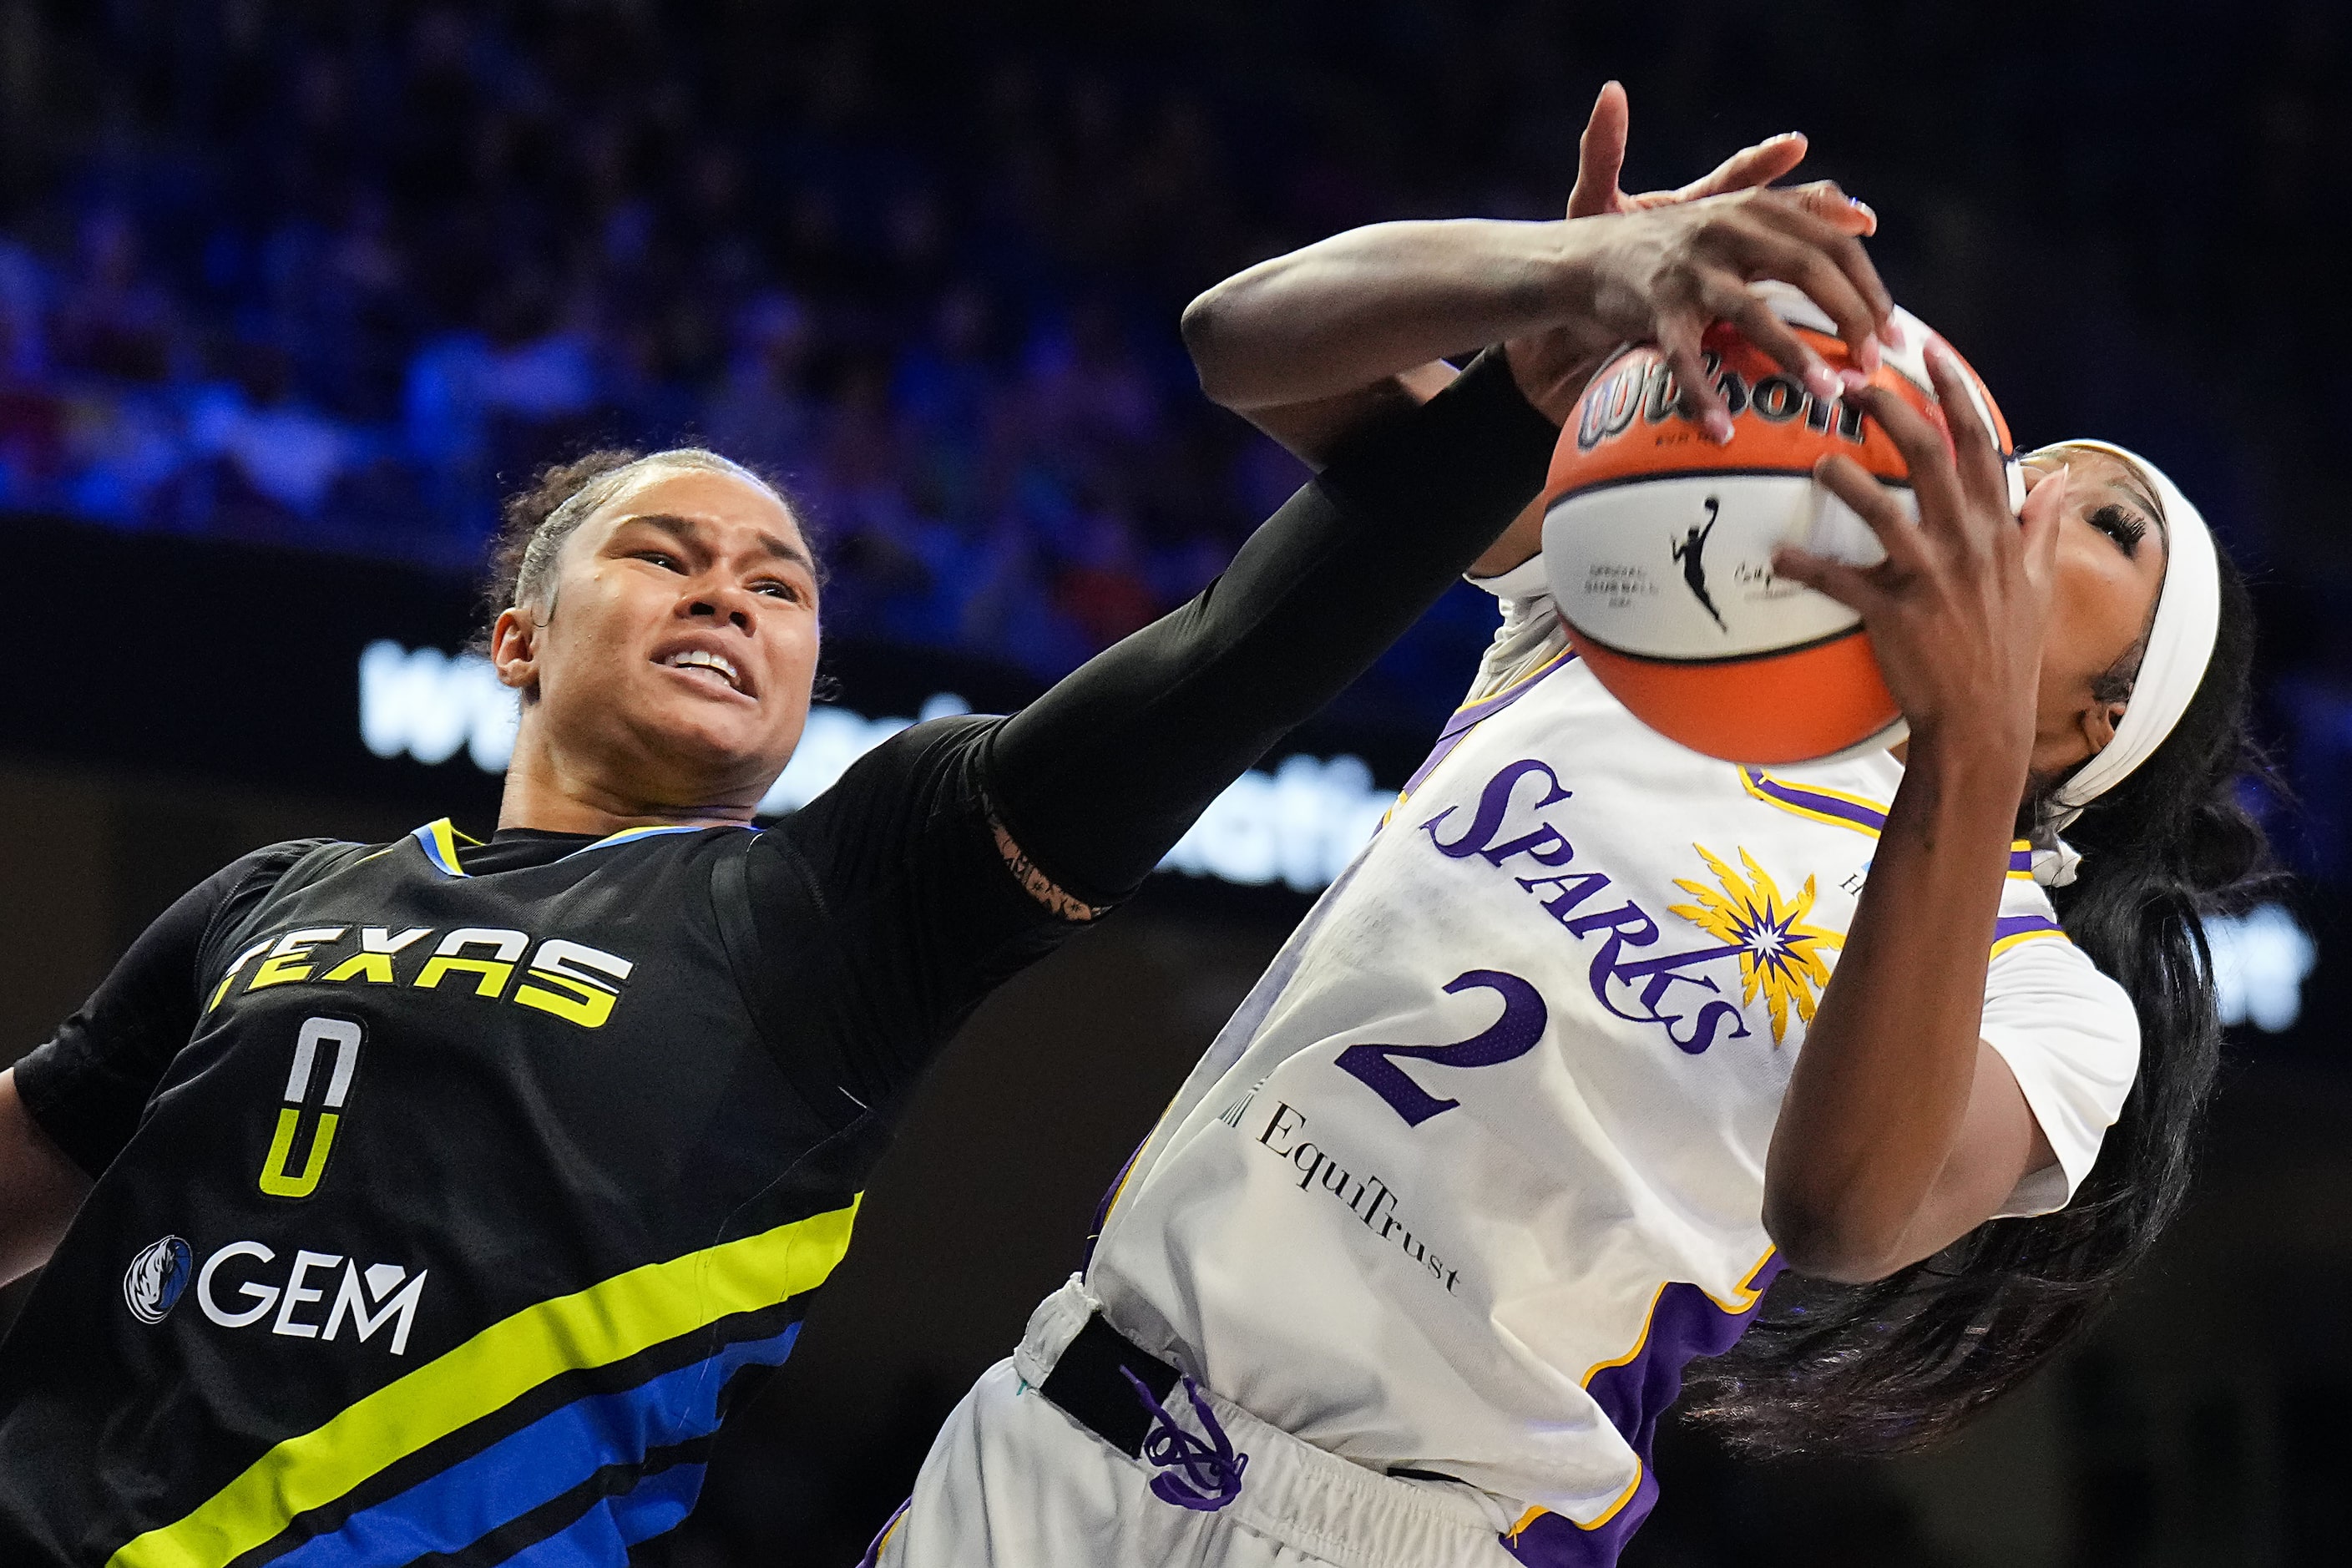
column 1038, row 885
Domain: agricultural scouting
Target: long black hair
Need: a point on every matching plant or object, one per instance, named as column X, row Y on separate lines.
column 1901, row 1362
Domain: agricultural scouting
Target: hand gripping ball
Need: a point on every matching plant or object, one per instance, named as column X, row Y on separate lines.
column 1658, row 544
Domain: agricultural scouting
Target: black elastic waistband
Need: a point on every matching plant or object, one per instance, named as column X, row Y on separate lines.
column 1087, row 1384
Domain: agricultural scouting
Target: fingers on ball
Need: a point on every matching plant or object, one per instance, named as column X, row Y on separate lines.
column 1974, row 448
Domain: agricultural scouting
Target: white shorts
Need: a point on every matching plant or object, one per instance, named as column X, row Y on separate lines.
column 1015, row 1482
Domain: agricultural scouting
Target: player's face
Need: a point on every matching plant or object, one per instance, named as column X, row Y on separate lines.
column 675, row 662
column 2111, row 556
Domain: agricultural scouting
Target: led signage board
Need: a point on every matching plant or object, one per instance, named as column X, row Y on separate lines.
column 1298, row 824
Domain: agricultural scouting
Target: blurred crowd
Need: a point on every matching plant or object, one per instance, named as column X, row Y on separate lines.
column 338, row 275
column 342, row 282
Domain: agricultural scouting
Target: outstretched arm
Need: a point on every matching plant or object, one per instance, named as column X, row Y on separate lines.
column 1087, row 788
column 1096, row 780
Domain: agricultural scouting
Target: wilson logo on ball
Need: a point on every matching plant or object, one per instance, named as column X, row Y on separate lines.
column 1658, row 544
column 1641, row 388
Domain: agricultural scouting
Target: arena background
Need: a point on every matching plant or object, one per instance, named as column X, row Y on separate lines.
column 289, row 291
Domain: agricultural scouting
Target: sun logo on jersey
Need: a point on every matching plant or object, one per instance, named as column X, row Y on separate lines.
column 1780, row 954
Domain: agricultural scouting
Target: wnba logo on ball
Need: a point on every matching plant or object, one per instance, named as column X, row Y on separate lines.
column 152, row 1286
column 1740, row 665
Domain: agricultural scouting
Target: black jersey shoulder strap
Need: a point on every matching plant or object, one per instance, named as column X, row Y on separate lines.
column 730, row 898
column 311, row 860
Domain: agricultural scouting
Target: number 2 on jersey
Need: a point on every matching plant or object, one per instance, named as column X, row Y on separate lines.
column 1512, row 1036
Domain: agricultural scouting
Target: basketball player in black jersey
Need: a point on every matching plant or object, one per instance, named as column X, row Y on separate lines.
column 425, row 1201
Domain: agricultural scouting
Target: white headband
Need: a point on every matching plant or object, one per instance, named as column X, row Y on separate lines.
column 2180, row 643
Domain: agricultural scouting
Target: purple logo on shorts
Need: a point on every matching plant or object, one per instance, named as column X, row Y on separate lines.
column 1202, row 1473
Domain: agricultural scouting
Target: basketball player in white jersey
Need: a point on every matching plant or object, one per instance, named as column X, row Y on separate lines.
column 1554, row 1081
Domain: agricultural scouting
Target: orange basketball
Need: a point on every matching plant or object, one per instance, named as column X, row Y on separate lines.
column 1658, row 544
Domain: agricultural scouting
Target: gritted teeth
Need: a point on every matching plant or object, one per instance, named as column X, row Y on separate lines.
column 699, row 658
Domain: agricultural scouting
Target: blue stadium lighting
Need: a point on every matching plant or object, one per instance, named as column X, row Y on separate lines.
column 2261, row 960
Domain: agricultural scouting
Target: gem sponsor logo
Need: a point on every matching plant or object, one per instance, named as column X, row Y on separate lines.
column 247, row 1282
column 156, row 1278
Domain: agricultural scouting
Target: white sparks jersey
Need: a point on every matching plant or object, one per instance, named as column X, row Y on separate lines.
column 1480, row 1164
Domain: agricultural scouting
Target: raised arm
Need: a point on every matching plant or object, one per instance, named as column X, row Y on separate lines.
column 1903, row 1130
column 1312, row 345
column 1380, row 307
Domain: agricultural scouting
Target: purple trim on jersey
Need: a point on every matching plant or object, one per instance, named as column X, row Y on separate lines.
column 2009, row 926
column 1805, row 799
column 2021, row 861
column 1468, row 719
column 1686, row 1324
column 874, row 1551
column 1109, row 1197
column 1553, row 1541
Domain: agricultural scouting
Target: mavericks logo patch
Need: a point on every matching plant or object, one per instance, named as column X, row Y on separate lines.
column 152, row 1285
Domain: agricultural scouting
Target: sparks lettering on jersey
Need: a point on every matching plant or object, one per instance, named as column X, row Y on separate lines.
column 1631, row 983
column 567, row 980
column 1372, row 1201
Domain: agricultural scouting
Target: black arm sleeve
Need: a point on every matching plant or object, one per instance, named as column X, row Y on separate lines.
column 89, row 1084
column 1097, row 779
column 883, row 915
column 883, row 911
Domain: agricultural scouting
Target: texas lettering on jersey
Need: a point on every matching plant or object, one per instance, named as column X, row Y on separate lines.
column 567, row 979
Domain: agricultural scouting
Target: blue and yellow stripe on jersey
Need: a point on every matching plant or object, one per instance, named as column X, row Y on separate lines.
column 441, row 841
column 658, row 830
column 687, row 1298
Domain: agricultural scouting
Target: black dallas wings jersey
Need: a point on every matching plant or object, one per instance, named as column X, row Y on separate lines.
column 485, row 1176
